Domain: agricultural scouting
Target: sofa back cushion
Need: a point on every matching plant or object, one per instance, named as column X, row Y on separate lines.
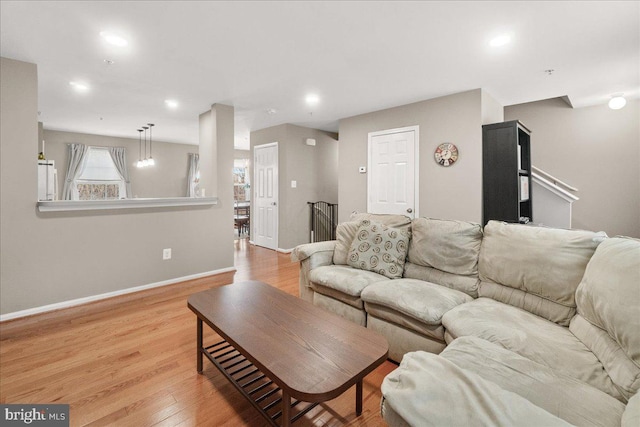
column 535, row 268
column 608, row 298
column 449, row 246
column 466, row 284
column 346, row 231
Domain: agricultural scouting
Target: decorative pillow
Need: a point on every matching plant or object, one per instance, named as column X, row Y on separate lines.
column 379, row 248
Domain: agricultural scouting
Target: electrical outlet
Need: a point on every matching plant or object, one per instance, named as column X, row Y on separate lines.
column 166, row 254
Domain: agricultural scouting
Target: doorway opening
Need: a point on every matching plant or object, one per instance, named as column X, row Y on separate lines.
column 241, row 199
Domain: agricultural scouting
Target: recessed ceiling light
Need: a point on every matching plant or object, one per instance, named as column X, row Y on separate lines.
column 500, row 40
column 617, row 102
column 80, row 87
column 171, row 103
column 114, row 39
column 312, row 99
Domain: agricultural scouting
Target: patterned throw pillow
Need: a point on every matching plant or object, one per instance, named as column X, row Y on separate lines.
column 379, row 248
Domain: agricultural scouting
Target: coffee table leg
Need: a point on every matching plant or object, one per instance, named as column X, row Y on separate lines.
column 286, row 409
column 199, row 344
column 359, row 398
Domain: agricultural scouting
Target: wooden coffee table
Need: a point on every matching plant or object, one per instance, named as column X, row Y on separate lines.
column 276, row 347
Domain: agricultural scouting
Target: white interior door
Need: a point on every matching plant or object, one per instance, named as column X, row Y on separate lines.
column 265, row 203
column 392, row 184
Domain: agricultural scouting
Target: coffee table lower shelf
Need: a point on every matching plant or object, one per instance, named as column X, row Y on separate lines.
column 259, row 390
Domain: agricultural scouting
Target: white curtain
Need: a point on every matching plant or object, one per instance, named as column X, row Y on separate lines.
column 193, row 177
column 77, row 154
column 119, row 156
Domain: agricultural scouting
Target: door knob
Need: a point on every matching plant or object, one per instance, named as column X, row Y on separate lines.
column 409, row 210
column 273, row 203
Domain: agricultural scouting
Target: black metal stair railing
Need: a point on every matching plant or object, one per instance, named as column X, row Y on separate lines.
column 323, row 221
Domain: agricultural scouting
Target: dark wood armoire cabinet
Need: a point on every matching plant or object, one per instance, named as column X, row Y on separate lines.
column 506, row 172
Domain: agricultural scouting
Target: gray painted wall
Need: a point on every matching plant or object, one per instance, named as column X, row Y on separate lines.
column 492, row 110
column 449, row 193
column 241, row 154
column 314, row 168
column 48, row 258
column 595, row 149
column 168, row 178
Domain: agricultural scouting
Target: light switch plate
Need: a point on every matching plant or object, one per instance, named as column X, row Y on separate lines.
column 294, row 184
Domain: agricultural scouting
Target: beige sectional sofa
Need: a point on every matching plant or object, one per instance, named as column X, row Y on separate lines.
column 506, row 325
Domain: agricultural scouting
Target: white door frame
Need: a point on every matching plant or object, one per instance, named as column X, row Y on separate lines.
column 416, row 170
column 277, row 192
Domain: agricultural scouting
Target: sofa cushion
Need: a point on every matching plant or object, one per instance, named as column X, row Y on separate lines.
column 530, row 336
column 342, row 282
column 631, row 415
column 429, row 390
column 404, row 340
column 390, row 220
column 345, row 232
column 561, row 395
column 379, row 248
column 466, row 284
column 608, row 300
column 535, row 268
column 424, row 301
column 450, row 246
column 339, row 307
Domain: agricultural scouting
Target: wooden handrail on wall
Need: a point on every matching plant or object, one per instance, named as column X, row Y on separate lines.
column 552, row 178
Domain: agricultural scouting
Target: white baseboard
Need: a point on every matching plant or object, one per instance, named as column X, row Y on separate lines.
column 85, row 300
column 284, row 251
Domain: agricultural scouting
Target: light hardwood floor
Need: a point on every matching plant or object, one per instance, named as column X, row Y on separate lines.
column 130, row 360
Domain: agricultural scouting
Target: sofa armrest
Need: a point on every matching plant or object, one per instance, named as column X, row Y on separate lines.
column 311, row 255
column 302, row 252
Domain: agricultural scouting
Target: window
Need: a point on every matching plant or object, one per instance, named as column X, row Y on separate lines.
column 99, row 178
column 241, row 180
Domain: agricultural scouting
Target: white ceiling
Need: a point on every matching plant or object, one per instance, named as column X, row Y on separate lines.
column 357, row 56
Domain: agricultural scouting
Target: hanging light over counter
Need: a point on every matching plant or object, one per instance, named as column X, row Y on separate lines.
column 147, row 161
column 139, row 164
column 151, row 162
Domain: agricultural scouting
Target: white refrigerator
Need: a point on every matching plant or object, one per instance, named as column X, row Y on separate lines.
column 47, row 180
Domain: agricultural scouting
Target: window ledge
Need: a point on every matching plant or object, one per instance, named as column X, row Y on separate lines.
column 91, row 205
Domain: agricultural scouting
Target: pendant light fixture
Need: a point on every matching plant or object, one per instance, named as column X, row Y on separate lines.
column 145, row 162
column 151, row 162
column 139, row 164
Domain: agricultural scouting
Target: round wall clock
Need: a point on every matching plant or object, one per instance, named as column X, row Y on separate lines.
column 446, row 154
